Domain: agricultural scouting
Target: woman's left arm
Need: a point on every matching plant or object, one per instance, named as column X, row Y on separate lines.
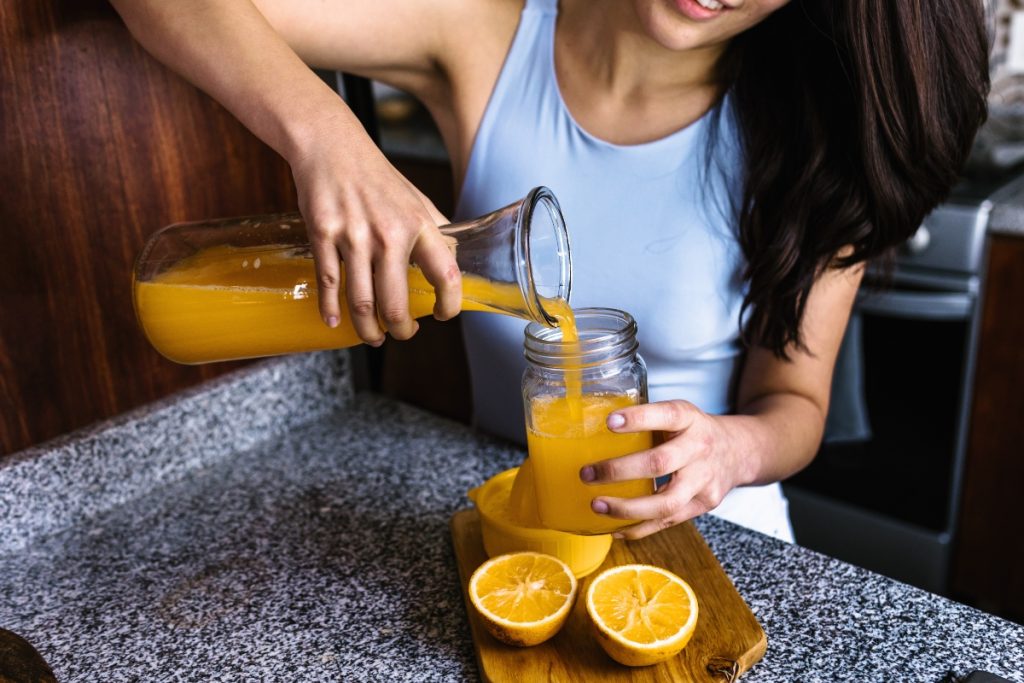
column 780, row 417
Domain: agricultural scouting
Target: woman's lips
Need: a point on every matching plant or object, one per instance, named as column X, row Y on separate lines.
column 698, row 12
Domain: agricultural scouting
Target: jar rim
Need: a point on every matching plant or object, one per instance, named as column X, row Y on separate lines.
column 605, row 335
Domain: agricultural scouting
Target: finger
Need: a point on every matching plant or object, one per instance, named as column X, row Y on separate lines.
column 328, row 280
column 361, row 304
column 667, row 503
column 667, row 416
column 652, row 526
column 435, row 259
column 391, row 282
column 647, row 464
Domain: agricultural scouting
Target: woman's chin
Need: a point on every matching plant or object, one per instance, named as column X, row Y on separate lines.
column 673, row 29
column 693, row 24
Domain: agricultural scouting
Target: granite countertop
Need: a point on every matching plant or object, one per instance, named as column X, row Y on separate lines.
column 272, row 526
column 1007, row 218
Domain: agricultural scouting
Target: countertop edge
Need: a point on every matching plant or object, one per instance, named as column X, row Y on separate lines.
column 66, row 480
column 1007, row 219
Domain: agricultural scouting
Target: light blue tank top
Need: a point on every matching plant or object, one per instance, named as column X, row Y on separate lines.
column 651, row 228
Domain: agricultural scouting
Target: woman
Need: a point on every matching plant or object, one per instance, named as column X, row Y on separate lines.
column 726, row 168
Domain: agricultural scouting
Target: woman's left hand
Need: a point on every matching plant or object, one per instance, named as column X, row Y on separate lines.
column 699, row 451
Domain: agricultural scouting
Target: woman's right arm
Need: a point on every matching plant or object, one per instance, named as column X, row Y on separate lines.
column 359, row 209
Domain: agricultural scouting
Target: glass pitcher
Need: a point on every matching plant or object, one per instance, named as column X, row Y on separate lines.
column 246, row 287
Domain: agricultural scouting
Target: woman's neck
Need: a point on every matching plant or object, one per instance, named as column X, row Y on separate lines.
column 614, row 76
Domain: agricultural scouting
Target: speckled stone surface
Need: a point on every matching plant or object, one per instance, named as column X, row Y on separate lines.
column 830, row 621
column 73, row 478
column 1007, row 218
column 323, row 554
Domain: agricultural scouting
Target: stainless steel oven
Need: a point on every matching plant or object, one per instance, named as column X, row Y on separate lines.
column 884, row 490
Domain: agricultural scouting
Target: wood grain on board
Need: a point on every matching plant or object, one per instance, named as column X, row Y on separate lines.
column 727, row 642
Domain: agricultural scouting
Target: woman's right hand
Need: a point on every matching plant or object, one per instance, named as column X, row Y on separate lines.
column 358, row 208
column 361, row 212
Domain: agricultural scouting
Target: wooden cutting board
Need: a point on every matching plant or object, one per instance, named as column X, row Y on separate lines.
column 727, row 642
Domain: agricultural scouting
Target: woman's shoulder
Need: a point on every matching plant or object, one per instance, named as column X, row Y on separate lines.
column 478, row 29
column 475, row 46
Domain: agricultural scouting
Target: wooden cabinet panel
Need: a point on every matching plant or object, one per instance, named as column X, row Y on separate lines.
column 989, row 559
column 99, row 146
column 429, row 370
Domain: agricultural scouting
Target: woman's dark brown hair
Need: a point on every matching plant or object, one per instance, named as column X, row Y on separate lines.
column 856, row 117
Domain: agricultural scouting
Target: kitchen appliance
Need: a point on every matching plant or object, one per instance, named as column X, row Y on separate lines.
column 884, row 489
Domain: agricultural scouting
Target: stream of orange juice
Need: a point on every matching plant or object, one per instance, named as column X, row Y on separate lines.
column 561, row 442
column 228, row 302
column 572, row 375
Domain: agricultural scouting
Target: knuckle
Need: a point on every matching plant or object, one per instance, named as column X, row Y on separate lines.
column 394, row 316
column 709, row 498
column 328, row 280
column 362, row 307
column 660, row 462
column 451, row 275
column 703, row 503
column 354, row 240
column 667, row 508
column 716, row 494
column 392, row 233
column 678, row 410
column 611, row 470
column 324, row 225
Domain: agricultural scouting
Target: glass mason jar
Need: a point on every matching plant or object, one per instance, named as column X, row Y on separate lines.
column 569, row 388
column 246, row 287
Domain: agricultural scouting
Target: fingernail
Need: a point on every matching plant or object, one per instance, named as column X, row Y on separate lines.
column 588, row 474
column 376, row 344
column 332, row 321
column 618, row 536
column 615, row 421
column 599, row 506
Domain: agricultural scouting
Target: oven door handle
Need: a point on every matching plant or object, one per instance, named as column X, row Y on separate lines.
column 917, row 305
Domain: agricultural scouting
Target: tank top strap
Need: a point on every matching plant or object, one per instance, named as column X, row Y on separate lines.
column 541, row 6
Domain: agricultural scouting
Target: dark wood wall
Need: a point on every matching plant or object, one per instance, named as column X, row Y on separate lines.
column 99, row 147
column 989, row 563
column 429, row 370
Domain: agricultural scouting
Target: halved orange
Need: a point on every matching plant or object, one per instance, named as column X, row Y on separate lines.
column 523, row 598
column 641, row 614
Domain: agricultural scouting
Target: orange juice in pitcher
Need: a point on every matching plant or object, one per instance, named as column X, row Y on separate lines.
column 237, row 302
column 246, row 287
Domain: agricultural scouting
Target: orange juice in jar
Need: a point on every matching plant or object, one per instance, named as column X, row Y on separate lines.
column 569, row 388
